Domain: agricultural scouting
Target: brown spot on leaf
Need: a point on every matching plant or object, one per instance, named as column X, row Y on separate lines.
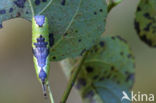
column 137, row 26
column 147, row 28
column 89, row 69
column 80, row 83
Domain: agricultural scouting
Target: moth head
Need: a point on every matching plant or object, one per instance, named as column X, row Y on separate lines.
column 40, row 20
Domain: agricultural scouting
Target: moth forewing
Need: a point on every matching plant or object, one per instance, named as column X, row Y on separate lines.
column 41, row 47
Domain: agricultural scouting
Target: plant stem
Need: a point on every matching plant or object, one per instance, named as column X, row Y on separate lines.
column 72, row 81
column 50, row 94
column 32, row 9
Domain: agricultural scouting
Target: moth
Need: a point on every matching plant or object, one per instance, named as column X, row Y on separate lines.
column 41, row 49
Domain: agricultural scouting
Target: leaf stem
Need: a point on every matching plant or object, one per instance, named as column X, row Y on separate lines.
column 31, row 7
column 72, row 80
column 45, row 7
column 50, row 94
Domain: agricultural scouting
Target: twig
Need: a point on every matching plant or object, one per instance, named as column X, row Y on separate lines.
column 72, row 81
column 50, row 94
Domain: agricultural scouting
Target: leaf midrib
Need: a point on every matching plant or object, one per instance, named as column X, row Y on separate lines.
column 70, row 23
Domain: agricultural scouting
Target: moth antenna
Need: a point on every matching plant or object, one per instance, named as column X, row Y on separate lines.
column 44, row 89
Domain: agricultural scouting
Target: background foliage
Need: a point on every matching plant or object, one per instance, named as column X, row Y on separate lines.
column 118, row 32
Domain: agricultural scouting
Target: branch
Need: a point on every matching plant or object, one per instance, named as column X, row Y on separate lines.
column 72, row 80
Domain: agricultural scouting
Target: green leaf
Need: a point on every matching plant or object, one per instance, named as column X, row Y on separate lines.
column 110, row 92
column 145, row 21
column 107, row 71
column 14, row 8
column 75, row 25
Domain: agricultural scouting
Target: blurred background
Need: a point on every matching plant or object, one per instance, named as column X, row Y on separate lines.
column 18, row 83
